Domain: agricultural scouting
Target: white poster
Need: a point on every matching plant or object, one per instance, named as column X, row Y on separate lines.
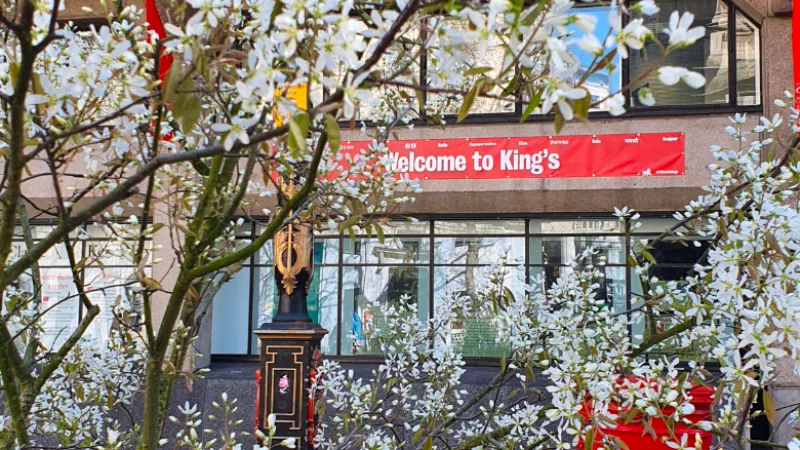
column 61, row 303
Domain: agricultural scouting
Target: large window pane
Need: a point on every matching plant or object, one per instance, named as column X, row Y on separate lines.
column 265, row 295
column 501, row 227
column 611, row 281
column 600, row 83
column 479, row 250
column 385, row 285
column 578, row 226
column 230, row 308
column 562, row 250
column 393, row 250
column 396, row 227
column 441, row 67
column 709, row 55
column 478, row 331
column 748, row 61
column 323, row 305
column 322, row 295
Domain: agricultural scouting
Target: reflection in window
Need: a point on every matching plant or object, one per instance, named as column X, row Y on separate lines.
column 748, row 61
column 361, row 323
column 477, row 333
column 478, row 54
column 479, row 250
column 601, row 83
column 709, row 55
column 393, row 250
column 562, row 250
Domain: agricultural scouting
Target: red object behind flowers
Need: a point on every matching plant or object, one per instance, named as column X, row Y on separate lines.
column 633, row 433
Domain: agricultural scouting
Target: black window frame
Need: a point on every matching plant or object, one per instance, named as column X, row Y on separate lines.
column 431, row 264
column 632, row 110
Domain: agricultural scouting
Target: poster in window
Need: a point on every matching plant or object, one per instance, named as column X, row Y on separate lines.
column 61, row 303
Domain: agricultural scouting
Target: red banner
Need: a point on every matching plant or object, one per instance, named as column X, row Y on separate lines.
column 155, row 23
column 614, row 155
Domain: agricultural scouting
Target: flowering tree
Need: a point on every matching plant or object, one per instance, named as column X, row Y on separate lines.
column 118, row 136
column 738, row 308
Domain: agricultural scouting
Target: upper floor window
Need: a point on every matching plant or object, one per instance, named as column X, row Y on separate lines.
column 729, row 56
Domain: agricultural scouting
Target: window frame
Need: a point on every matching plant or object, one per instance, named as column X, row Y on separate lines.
column 730, row 107
column 84, row 245
column 431, row 265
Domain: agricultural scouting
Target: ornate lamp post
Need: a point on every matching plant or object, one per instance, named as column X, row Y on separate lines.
column 290, row 343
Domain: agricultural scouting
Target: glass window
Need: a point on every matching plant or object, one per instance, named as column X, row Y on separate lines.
column 748, row 61
column 230, row 310
column 479, row 250
column 393, row 250
column 450, row 33
column 400, row 227
column 361, row 324
column 709, row 55
column 602, row 83
column 477, row 335
column 583, row 226
column 322, row 300
column 562, row 250
column 482, row 227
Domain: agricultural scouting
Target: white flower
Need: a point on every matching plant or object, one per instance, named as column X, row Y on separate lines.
column 646, row 96
column 590, row 44
column 672, row 75
column 288, row 443
column 353, row 94
column 615, row 105
column 646, row 7
column 680, row 35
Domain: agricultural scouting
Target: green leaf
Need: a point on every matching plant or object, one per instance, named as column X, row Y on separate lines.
column 581, row 106
column 191, row 113
column 560, row 122
column 170, row 83
column 380, row 233
column 428, row 443
column 477, row 71
column 417, row 436
column 503, row 362
column 349, row 223
column 649, row 257
column 512, row 85
column 769, row 406
column 153, row 283
column 530, row 18
column 334, row 135
column 13, row 72
column 469, row 100
column 297, row 137
column 534, row 103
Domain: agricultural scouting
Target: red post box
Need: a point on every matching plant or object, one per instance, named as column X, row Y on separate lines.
column 633, row 433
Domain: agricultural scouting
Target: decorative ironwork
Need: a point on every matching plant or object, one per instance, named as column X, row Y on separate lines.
column 293, row 246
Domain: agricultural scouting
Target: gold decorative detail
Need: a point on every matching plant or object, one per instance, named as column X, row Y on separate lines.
column 293, row 246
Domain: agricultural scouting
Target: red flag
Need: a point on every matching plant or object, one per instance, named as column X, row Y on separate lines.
column 796, row 51
column 154, row 23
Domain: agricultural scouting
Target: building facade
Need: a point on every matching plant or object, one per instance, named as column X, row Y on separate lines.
column 461, row 228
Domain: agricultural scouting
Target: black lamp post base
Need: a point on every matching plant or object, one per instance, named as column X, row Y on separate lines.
column 288, row 351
